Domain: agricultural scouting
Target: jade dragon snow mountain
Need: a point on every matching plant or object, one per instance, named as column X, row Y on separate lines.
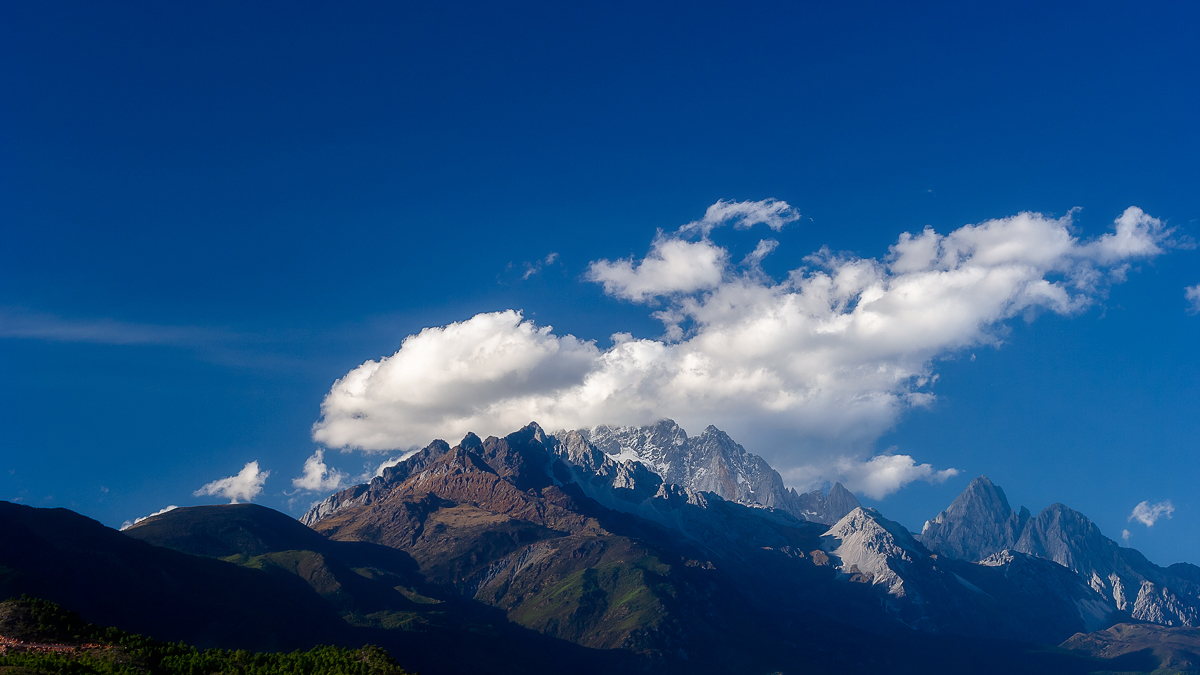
column 978, row 568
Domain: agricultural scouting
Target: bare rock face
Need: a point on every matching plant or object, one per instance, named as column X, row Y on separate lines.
column 980, row 523
column 713, row 462
column 976, row 525
column 1010, row 593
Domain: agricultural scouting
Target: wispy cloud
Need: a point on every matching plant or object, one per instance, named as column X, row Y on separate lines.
column 1192, row 295
column 244, row 486
column 130, row 523
column 532, row 268
column 21, row 324
column 1148, row 514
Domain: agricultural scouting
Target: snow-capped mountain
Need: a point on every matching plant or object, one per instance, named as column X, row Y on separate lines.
column 714, row 462
column 980, row 523
column 980, row 567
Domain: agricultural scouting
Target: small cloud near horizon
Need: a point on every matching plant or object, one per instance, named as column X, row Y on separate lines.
column 130, row 523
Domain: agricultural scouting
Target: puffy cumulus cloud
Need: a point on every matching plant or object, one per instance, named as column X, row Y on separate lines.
column 803, row 369
column 1192, row 295
column 317, row 476
column 882, row 475
column 1148, row 514
column 674, row 265
column 244, row 486
column 130, row 523
column 491, row 372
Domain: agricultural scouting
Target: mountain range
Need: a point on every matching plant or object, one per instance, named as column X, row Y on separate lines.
column 624, row 549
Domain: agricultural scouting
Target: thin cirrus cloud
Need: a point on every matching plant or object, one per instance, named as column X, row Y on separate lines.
column 1148, row 514
column 20, row 324
column 244, row 486
column 808, row 370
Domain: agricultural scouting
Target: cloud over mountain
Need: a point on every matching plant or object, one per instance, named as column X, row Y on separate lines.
column 815, row 365
column 318, row 477
column 244, row 486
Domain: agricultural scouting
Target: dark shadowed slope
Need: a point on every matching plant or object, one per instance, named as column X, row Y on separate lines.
column 112, row 579
column 377, row 590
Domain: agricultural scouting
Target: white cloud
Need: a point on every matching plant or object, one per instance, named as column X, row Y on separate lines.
column 884, row 474
column 1125, row 535
column 770, row 212
column 678, row 265
column 803, row 370
column 385, row 464
column 532, row 268
column 1192, row 294
column 673, row 265
column 244, row 486
column 317, row 476
column 128, row 524
column 1147, row 513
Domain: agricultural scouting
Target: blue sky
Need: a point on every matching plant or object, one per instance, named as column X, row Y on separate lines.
column 212, row 214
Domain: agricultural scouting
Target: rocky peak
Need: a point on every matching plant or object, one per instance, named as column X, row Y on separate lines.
column 883, row 552
column 712, row 462
column 978, row 523
column 520, row 457
column 841, row 501
column 818, row 507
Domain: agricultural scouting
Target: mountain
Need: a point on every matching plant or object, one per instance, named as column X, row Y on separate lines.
column 977, row 524
column 531, row 551
column 713, row 462
column 980, row 523
column 113, row 579
column 1011, row 595
column 377, row 591
column 528, row 552
column 601, row 550
column 1141, row 647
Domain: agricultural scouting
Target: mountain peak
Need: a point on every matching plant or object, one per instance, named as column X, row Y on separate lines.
column 470, row 441
column 978, row 523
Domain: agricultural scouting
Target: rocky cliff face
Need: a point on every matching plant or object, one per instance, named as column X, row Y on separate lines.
column 574, row 544
column 494, row 519
column 713, row 462
column 1010, row 594
column 980, row 523
column 977, row 524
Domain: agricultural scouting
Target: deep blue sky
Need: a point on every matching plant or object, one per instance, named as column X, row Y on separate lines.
column 209, row 214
